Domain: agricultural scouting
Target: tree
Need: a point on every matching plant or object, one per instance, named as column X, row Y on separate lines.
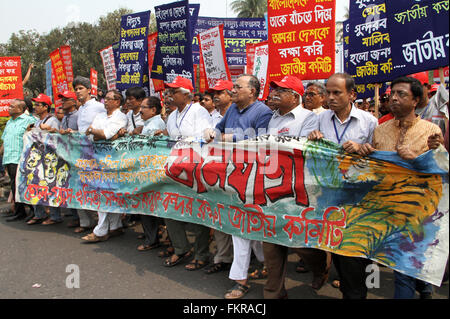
column 249, row 8
column 340, row 27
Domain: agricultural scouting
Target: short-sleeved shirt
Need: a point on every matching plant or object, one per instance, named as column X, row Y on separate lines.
column 247, row 123
column 87, row 113
column 70, row 120
column 49, row 120
column 389, row 134
column 191, row 122
column 216, row 117
column 358, row 127
column 13, row 138
column 153, row 124
column 110, row 124
column 134, row 120
column 436, row 109
column 298, row 122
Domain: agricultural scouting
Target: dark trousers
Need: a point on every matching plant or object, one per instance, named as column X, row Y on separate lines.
column 352, row 275
column 275, row 259
column 19, row 208
column 150, row 224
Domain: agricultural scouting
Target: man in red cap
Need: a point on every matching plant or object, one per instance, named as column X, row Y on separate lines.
column 188, row 120
column 432, row 109
column 69, row 122
column 222, row 97
column 42, row 107
column 432, row 91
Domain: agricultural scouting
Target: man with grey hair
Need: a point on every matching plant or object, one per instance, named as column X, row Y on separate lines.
column 315, row 96
column 88, row 110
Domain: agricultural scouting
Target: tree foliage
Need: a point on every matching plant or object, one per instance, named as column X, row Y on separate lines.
column 249, row 8
column 85, row 40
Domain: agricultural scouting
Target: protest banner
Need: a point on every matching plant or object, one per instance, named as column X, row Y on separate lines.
column 283, row 190
column 156, row 85
column 66, row 56
column 260, row 68
column 132, row 69
column 173, row 56
column 419, row 34
column 445, row 74
column 60, row 83
column 214, row 60
column 48, row 79
column 94, row 82
column 250, row 55
column 10, row 82
column 301, row 39
column 237, row 32
column 109, row 67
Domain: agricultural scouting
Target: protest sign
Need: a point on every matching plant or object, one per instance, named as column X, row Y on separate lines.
column 238, row 32
column 214, row 60
column 419, row 34
column 10, row 82
column 173, row 56
column 283, row 190
column 60, row 83
column 250, row 55
column 109, row 67
column 156, row 85
column 260, row 68
column 301, row 39
column 66, row 56
column 94, row 82
column 132, row 69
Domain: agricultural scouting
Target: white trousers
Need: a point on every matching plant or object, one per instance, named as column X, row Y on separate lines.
column 107, row 222
column 242, row 252
column 86, row 218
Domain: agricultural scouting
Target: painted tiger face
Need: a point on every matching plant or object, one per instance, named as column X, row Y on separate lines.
column 356, row 169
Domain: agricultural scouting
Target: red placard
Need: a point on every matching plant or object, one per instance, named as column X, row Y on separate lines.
column 60, row 84
column 202, row 80
column 94, row 82
column 301, row 39
column 10, row 82
column 250, row 51
column 152, row 40
column 66, row 56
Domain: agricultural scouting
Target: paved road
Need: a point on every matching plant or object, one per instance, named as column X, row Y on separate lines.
column 38, row 256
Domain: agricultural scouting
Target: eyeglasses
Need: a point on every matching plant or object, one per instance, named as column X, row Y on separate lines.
column 280, row 90
column 110, row 99
column 311, row 94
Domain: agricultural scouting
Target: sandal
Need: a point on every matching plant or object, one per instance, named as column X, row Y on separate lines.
column 195, row 265
column 35, row 221
column 166, row 253
column 93, row 238
column 145, row 247
column 81, row 229
column 169, row 263
column 51, row 222
column 259, row 274
column 238, row 291
column 217, row 267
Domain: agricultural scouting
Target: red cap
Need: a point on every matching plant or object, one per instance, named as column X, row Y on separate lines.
column 222, row 85
column 180, row 82
column 68, row 95
column 290, row 82
column 42, row 98
column 433, row 88
column 421, row 76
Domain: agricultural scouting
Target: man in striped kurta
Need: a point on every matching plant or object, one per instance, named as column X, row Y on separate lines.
column 12, row 148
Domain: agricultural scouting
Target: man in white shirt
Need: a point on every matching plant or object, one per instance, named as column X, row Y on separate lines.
column 88, row 110
column 133, row 99
column 315, row 96
column 106, row 127
column 208, row 103
column 188, row 120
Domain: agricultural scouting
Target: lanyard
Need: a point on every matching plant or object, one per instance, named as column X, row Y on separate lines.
column 176, row 120
column 339, row 138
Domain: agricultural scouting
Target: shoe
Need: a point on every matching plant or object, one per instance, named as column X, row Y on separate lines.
column 49, row 221
column 116, row 232
column 212, row 269
column 169, row 263
column 145, row 247
column 93, row 238
column 16, row 218
column 195, row 265
column 238, row 291
column 319, row 281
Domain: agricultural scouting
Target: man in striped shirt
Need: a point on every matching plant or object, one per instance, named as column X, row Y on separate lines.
column 12, row 148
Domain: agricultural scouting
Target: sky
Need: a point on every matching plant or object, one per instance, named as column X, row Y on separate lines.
column 44, row 15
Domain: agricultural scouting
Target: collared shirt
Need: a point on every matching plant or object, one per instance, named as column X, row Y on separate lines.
column 50, row 120
column 134, row 120
column 87, row 113
column 153, row 124
column 358, row 127
column 319, row 110
column 436, row 110
column 216, row 117
column 13, row 138
column 191, row 122
column 298, row 122
column 247, row 123
column 390, row 134
column 110, row 124
column 70, row 120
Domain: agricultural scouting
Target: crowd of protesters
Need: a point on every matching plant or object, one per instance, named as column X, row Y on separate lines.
column 413, row 118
